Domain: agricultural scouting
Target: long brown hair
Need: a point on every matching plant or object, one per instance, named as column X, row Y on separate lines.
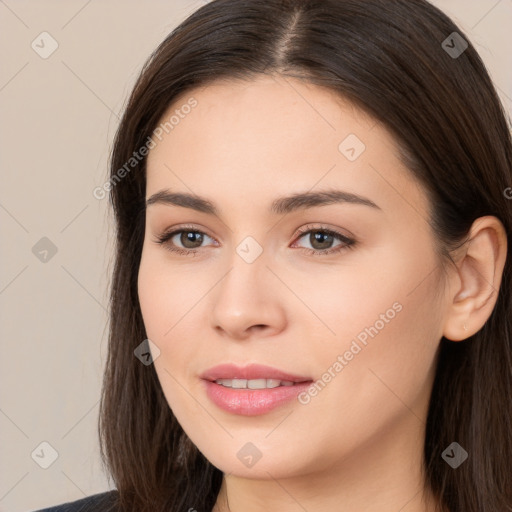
column 391, row 59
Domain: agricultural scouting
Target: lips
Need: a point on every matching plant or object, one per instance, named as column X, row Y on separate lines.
column 253, row 389
column 251, row 372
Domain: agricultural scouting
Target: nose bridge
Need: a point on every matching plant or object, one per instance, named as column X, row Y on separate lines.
column 249, row 250
column 248, row 274
column 245, row 296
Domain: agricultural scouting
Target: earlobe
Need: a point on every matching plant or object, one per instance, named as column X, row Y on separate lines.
column 475, row 284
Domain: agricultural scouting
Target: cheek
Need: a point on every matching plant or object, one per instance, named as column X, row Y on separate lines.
column 165, row 297
column 170, row 301
column 387, row 343
column 387, row 339
column 152, row 298
column 383, row 319
column 166, row 294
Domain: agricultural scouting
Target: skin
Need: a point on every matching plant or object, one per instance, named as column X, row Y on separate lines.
column 356, row 445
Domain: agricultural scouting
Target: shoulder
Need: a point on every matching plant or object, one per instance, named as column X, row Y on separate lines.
column 101, row 502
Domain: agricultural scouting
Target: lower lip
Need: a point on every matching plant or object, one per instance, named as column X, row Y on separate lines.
column 251, row 402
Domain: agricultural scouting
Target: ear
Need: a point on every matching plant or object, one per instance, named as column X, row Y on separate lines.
column 474, row 287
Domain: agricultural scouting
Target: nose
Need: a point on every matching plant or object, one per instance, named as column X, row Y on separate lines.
column 248, row 301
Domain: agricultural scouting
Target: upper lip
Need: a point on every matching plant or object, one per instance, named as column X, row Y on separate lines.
column 251, row 371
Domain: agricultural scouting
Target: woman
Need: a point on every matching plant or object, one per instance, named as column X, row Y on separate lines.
column 369, row 369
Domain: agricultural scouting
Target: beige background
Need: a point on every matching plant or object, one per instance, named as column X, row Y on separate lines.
column 58, row 117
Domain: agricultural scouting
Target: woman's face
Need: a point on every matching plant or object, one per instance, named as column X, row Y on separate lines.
column 361, row 318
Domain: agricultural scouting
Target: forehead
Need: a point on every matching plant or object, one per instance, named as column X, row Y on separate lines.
column 266, row 107
column 269, row 134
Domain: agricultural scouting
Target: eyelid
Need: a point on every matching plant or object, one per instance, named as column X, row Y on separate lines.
column 322, row 227
column 302, row 230
column 185, row 227
column 348, row 241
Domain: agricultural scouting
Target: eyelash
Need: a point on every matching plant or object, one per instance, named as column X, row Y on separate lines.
column 348, row 243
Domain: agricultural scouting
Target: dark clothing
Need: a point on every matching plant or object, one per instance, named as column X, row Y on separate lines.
column 101, row 502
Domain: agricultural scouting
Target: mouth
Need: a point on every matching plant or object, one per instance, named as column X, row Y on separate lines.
column 253, row 374
column 253, row 389
column 254, row 383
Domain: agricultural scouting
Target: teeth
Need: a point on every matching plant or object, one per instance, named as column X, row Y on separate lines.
column 253, row 383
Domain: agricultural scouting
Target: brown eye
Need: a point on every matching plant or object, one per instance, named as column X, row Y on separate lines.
column 188, row 241
column 183, row 240
column 321, row 240
column 191, row 239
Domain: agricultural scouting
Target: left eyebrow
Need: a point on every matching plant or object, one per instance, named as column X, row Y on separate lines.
column 281, row 205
